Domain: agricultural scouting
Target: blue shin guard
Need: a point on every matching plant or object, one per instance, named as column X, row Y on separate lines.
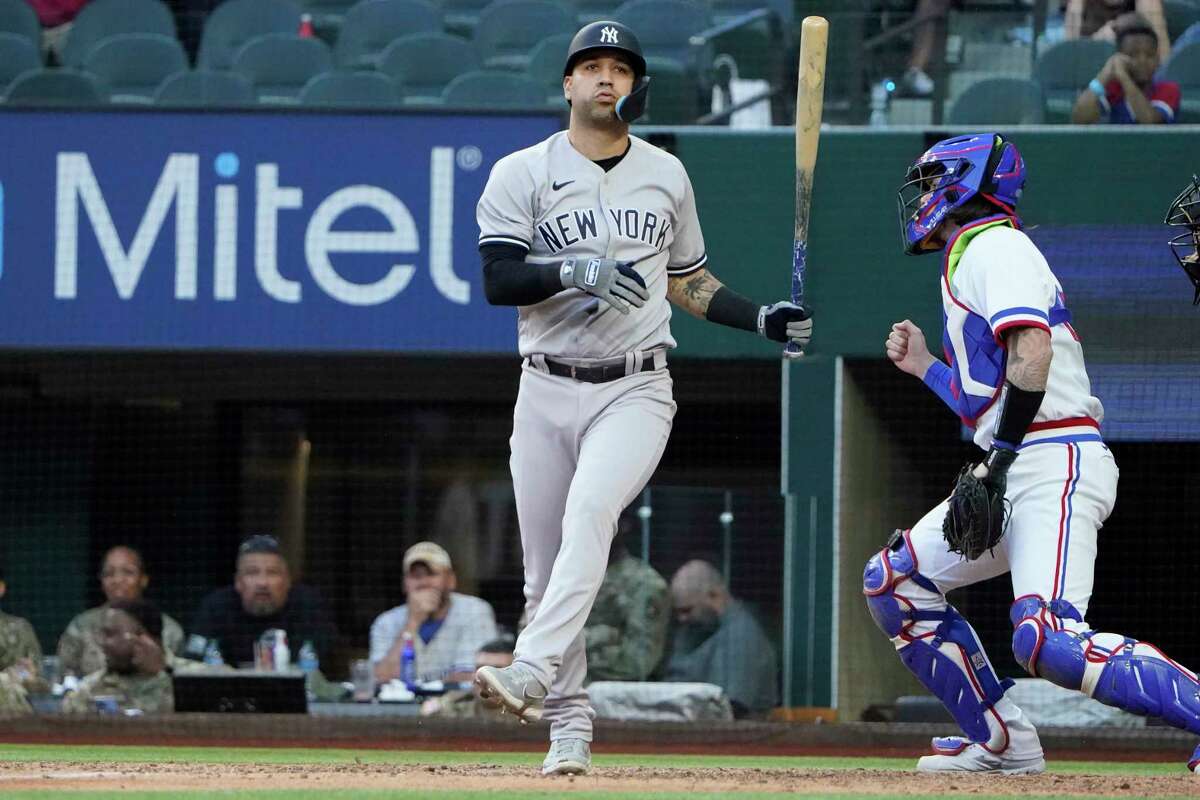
column 947, row 659
column 1116, row 670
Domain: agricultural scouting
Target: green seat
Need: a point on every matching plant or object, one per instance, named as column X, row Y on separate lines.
column 1180, row 15
column 760, row 48
column 587, row 11
column 425, row 63
column 55, row 87
column 674, row 94
column 493, row 90
column 17, row 17
column 509, row 29
column 1183, row 67
column 101, row 19
column 351, row 90
column 546, row 63
column 204, row 88
column 235, row 22
column 372, row 25
column 665, row 28
column 999, row 101
column 134, row 65
column 461, row 16
column 278, row 65
column 327, row 15
column 17, row 55
column 1064, row 69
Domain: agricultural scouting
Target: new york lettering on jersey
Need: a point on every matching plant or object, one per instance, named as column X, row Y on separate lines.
column 579, row 225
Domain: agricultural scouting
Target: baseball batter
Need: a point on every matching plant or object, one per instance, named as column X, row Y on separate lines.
column 1014, row 371
column 590, row 233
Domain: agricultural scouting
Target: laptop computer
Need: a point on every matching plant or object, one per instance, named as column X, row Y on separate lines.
column 241, row 692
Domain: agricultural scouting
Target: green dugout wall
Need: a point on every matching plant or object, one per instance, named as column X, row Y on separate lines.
column 842, row 471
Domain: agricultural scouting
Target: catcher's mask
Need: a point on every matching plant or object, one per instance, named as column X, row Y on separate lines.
column 1185, row 213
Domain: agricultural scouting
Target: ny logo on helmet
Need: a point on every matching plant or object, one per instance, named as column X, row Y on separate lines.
column 608, row 35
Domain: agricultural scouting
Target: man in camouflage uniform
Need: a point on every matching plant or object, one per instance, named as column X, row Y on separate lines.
column 122, row 577
column 20, row 661
column 135, row 676
column 626, row 631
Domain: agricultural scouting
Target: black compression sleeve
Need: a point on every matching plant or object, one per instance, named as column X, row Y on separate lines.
column 508, row 280
column 1017, row 409
column 727, row 307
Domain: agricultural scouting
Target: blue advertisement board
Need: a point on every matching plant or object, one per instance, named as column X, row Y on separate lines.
column 304, row 232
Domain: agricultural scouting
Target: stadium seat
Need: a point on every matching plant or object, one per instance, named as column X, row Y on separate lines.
column 235, row 22
column 1183, row 67
column 1180, row 15
column 425, row 63
column 205, row 89
column 351, row 90
column 327, row 15
column 759, row 48
column 674, row 94
column 461, row 16
column 372, row 25
column 17, row 55
column 509, row 29
column 546, row 63
column 1064, row 69
column 101, row 19
column 592, row 10
column 483, row 90
column 999, row 101
column 17, row 17
column 134, row 65
column 55, row 87
column 665, row 28
column 278, row 65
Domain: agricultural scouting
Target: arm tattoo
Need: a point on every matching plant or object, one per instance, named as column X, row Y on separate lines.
column 694, row 292
column 1029, row 356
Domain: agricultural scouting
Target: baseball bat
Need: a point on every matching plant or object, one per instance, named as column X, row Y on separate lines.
column 810, row 96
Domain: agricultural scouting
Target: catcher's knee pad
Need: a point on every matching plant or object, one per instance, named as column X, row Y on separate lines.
column 1041, row 643
column 1141, row 679
column 888, row 569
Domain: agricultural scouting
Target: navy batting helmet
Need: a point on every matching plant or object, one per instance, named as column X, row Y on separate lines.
column 609, row 35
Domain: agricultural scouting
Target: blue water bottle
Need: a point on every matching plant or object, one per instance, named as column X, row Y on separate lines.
column 408, row 662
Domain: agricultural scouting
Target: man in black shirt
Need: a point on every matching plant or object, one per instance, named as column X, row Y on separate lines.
column 262, row 597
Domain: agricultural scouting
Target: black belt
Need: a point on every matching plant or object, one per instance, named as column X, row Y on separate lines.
column 600, row 373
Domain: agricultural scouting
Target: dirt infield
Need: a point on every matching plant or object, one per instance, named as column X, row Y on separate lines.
column 58, row 776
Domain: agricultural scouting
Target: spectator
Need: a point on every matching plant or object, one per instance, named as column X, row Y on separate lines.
column 1125, row 91
column 928, row 36
column 135, row 675
column 56, row 17
column 1097, row 19
column 447, row 628
column 262, row 597
column 626, row 631
column 122, row 577
column 20, row 662
column 461, row 703
column 719, row 641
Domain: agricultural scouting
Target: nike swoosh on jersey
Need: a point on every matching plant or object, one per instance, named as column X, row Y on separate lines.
column 557, row 186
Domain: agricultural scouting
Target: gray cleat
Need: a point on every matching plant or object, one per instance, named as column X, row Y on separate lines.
column 512, row 689
column 568, row 757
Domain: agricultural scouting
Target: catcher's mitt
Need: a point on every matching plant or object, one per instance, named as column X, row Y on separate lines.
column 978, row 513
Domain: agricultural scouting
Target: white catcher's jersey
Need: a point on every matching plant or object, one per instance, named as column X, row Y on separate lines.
column 993, row 279
column 553, row 201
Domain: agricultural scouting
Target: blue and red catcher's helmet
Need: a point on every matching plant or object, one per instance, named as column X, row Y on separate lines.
column 949, row 174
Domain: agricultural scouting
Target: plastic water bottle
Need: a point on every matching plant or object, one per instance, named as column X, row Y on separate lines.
column 408, row 661
column 212, row 654
column 281, row 656
column 306, row 26
column 308, row 658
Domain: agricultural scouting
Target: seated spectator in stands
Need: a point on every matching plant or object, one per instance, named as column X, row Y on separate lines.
column 1125, row 91
column 1097, row 19
column 20, row 662
column 626, row 631
column 465, row 702
column 262, row 597
column 447, row 628
column 122, row 577
column 135, row 675
column 56, row 17
column 927, row 37
column 719, row 641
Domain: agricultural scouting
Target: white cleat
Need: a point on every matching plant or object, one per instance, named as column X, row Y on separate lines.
column 568, row 757
column 955, row 754
column 513, row 689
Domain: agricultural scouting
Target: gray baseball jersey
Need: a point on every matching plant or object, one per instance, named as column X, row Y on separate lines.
column 554, row 202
